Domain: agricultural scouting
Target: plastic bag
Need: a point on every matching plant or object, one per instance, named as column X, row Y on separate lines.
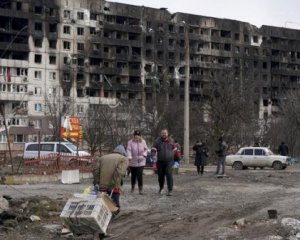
column 154, row 167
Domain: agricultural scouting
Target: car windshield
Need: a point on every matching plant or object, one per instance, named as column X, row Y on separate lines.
column 73, row 147
column 269, row 152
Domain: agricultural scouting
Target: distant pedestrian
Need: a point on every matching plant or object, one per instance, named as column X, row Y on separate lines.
column 137, row 152
column 177, row 153
column 201, row 156
column 165, row 149
column 221, row 152
column 283, row 149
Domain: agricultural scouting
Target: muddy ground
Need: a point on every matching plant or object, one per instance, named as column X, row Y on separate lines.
column 202, row 207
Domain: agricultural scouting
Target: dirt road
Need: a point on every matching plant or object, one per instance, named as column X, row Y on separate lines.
column 202, row 207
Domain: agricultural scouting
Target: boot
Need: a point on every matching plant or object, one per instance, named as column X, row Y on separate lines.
column 132, row 189
column 141, row 191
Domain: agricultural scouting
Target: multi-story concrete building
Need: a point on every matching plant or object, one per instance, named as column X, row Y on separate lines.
column 63, row 57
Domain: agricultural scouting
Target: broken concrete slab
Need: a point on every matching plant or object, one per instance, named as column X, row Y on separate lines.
column 54, row 228
column 4, row 204
column 70, row 176
column 291, row 224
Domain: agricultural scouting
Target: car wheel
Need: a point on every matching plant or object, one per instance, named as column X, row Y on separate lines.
column 261, row 168
column 238, row 166
column 277, row 165
column 254, row 168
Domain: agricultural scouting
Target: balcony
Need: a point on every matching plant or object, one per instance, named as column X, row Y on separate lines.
column 8, row 96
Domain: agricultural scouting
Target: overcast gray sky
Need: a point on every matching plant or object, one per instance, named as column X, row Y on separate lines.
column 281, row 13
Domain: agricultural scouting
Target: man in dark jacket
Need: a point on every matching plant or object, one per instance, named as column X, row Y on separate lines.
column 283, row 149
column 165, row 148
column 221, row 152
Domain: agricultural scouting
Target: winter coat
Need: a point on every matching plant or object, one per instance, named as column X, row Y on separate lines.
column 201, row 154
column 165, row 149
column 283, row 149
column 222, row 146
column 137, row 153
column 110, row 170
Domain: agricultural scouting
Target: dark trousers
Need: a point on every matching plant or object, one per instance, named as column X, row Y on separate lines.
column 137, row 174
column 200, row 169
column 165, row 169
column 221, row 164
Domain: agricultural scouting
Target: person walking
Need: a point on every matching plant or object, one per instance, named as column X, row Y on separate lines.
column 165, row 149
column 283, row 149
column 221, row 152
column 109, row 172
column 201, row 155
column 137, row 152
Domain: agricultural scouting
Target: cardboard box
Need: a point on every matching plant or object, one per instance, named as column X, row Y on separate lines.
column 88, row 214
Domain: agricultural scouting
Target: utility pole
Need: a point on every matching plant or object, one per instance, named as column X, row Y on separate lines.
column 186, row 140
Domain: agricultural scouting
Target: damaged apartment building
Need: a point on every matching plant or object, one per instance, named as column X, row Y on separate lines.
column 76, row 54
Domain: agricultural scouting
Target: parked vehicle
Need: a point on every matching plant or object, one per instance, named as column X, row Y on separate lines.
column 32, row 149
column 256, row 157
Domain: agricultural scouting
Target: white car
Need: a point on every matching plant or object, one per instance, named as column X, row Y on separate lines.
column 256, row 157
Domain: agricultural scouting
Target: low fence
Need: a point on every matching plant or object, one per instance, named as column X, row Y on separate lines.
column 54, row 163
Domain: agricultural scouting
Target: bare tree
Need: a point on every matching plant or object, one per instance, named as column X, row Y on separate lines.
column 2, row 113
column 105, row 127
column 230, row 108
column 286, row 125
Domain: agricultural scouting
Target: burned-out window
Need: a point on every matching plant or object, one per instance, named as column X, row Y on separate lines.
column 149, row 39
column 52, row 59
column 67, row 14
column 255, row 39
column 19, row 138
column 38, row 10
column 66, row 77
column 80, row 15
column 51, row 12
column 171, row 55
column 236, row 36
column 38, row 42
column 148, row 96
column 66, row 45
column 225, row 34
column 53, row 27
column 246, row 38
column 181, row 29
column 94, row 16
column 38, row 26
column 265, row 65
column 148, row 53
column 171, row 42
column 80, row 46
column 52, row 44
column 67, row 29
column 80, row 31
column 171, row 69
column 171, row 28
column 19, row 6
column 160, row 54
column 92, row 31
column 80, row 62
column 80, row 77
column 227, row 47
column 38, row 58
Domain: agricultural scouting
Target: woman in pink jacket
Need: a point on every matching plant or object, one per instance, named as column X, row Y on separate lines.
column 136, row 153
